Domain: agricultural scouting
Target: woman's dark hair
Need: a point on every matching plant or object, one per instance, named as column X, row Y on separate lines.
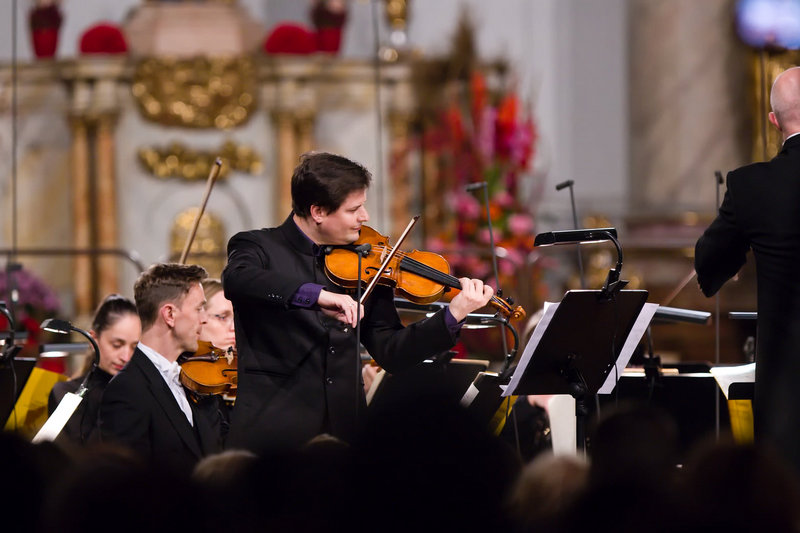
column 325, row 180
column 110, row 310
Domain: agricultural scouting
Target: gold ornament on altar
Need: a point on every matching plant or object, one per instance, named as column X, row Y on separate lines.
column 178, row 161
column 208, row 246
column 196, row 93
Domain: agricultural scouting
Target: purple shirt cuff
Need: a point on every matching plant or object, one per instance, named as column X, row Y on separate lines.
column 307, row 295
column 451, row 323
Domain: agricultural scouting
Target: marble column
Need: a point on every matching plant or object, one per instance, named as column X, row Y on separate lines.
column 688, row 103
column 401, row 196
column 106, row 204
column 81, row 217
column 286, row 142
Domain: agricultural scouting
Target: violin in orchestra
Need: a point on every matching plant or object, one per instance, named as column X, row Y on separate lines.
column 419, row 276
column 210, row 370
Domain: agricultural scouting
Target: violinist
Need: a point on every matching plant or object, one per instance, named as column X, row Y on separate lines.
column 218, row 330
column 219, row 333
column 116, row 328
column 295, row 329
column 145, row 407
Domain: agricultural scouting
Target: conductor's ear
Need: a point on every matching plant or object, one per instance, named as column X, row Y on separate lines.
column 773, row 119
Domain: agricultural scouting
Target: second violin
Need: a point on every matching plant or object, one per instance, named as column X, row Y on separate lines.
column 210, row 370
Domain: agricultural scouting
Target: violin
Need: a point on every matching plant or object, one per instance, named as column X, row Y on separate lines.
column 210, row 370
column 419, row 276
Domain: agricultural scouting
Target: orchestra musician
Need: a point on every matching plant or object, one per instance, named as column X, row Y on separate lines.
column 295, row 329
column 218, row 330
column 116, row 329
column 145, row 407
column 759, row 212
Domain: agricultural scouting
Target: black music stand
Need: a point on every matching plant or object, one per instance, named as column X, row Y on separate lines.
column 579, row 348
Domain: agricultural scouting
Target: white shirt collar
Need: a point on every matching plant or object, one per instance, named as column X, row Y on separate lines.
column 166, row 367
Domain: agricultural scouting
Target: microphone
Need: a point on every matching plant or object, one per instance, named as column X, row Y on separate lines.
column 475, row 186
column 562, row 185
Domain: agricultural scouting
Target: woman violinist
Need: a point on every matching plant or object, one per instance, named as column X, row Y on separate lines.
column 210, row 374
column 218, row 330
column 116, row 329
column 299, row 369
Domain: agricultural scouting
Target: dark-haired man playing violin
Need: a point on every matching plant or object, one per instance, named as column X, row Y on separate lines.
column 295, row 329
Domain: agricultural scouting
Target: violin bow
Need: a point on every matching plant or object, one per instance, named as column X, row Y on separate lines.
column 388, row 258
column 212, row 177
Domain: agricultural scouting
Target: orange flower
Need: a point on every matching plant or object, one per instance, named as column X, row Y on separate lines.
column 478, row 89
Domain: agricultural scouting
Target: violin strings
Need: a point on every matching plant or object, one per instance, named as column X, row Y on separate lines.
column 419, row 268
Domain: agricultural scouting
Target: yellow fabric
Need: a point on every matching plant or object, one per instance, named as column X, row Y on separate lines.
column 499, row 419
column 741, row 413
column 30, row 411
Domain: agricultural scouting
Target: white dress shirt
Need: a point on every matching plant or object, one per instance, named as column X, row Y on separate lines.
column 171, row 372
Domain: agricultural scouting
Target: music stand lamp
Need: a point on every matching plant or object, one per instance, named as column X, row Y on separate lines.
column 55, row 325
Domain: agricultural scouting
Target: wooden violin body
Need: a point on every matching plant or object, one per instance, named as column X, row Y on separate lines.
column 419, row 276
column 210, row 370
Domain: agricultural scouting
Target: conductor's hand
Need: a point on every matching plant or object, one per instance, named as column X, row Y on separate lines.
column 339, row 306
column 474, row 295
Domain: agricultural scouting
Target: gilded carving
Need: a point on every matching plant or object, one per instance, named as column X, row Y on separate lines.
column 208, row 246
column 178, row 161
column 196, row 93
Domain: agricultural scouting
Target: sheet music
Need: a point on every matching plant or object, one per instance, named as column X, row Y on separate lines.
column 58, row 419
column 548, row 310
column 638, row 329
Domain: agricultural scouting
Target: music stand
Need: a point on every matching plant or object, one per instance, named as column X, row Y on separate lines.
column 579, row 347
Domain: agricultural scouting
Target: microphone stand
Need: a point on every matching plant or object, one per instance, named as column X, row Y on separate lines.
column 563, row 185
column 483, row 185
column 361, row 251
column 508, row 356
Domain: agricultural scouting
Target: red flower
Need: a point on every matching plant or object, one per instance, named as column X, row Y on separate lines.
column 290, row 38
column 103, row 38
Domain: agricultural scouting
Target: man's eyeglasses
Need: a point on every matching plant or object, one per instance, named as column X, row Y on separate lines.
column 225, row 319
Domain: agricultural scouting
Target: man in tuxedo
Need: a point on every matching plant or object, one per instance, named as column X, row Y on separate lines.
column 295, row 329
column 145, row 407
column 761, row 212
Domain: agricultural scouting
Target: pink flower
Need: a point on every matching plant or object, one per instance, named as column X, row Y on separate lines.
column 520, row 224
column 467, row 206
column 486, row 132
column 504, row 199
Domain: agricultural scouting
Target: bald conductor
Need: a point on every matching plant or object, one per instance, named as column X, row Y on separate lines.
column 761, row 213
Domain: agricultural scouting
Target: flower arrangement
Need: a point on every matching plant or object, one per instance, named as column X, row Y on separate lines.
column 45, row 20
column 45, row 14
column 482, row 133
column 35, row 302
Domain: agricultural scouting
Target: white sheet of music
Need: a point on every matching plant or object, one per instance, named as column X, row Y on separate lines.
column 638, row 329
column 548, row 310
column 59, row 418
